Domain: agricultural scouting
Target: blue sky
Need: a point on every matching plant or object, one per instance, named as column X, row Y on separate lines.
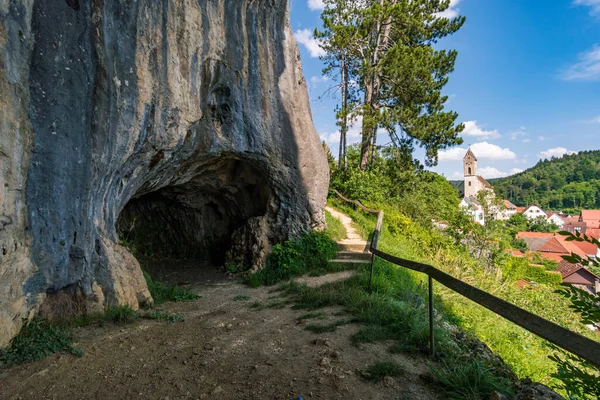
column 526, row 83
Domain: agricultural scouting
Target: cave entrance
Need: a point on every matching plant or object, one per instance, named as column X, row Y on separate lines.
column 193, row 221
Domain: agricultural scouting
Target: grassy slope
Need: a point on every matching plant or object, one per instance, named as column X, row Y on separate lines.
column 524, row 352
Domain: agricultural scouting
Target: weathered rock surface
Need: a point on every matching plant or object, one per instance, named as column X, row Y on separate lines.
column 185, row 122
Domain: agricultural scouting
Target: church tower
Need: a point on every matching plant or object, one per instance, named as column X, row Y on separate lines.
column 471, row 180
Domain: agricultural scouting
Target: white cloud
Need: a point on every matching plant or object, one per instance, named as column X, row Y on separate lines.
column 557, row 152
column 482, row 150
column 514, row 135
column 515, row 171
column 352, row 136
column 471, row 129
column 526, row 140
column 488, row 151
column 313, row 45
column 594, row 4
column 457, row 175
column 588, row 67
column 452, row 11
column 595, row 120
column 541, row 138
column 315, row 80
column 316, row 5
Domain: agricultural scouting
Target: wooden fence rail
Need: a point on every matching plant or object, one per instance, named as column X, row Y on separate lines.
column 573, row 342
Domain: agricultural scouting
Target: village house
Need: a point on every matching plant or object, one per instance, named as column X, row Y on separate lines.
column 556, row 219
column 533, row 212
column 588, row 223
column 473, row 207
column 580, row 277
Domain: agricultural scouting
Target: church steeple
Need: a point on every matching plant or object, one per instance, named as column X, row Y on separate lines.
column 470, row 163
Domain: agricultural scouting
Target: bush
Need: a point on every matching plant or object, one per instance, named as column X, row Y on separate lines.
column 38, row 339
column 162, row 292
column 295, row 257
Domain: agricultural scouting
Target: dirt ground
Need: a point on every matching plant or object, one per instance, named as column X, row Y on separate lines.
column 223, row 350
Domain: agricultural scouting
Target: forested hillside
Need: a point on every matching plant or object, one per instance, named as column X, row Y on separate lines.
column 569, row 183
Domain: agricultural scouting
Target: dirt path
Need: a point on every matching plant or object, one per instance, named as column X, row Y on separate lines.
column 223, row 350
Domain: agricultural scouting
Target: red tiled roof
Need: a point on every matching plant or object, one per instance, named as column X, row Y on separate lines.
column 588, row 248
column 536, row 235
column 571, row 246
column 484, row 182
column 521, row 209
column 590, row 214
column 566, row 268
column 553, row 246
column 522, row 284
column 509, row 205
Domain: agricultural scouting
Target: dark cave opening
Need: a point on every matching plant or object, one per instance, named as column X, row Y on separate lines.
column 195, row 219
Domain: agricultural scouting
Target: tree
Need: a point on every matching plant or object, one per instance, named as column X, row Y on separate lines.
column 337, row 37
column 402, row 75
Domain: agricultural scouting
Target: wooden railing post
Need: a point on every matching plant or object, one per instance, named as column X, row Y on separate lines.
column 431, row 326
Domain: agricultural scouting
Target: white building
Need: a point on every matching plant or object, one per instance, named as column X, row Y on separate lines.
column 556, row 219
column 472, row 206
column 473, row 183
column 533, row 212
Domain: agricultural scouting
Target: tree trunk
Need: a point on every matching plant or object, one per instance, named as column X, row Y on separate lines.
column 342, row 160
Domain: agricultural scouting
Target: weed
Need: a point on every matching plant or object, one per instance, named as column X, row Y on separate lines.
column 38, row 339
column 469, row 381
column 160, row 314
column 121, row 314
column 320, row 328
column 241, row 298
column 234, row 268
column 311, row 315
column 381, row 369
column 161, row 292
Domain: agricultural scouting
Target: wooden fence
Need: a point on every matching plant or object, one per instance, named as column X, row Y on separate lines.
column 573, row 342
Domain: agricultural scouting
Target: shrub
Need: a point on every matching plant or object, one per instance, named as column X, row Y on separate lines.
column 38, row 339
column 311, row 251
column 121, row 314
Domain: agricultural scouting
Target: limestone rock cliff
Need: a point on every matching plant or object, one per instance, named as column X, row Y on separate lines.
column 183, row 123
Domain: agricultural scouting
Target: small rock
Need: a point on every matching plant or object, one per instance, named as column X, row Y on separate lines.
column 335, row 354
column 325, row 362
column 497, row 396
column 321, row 342
column 208, row 346
column 388, row 381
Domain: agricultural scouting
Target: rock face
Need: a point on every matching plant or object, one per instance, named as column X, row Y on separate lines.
column 185, row 123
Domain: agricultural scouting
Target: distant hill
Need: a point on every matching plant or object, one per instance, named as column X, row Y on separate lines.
column 569, row 183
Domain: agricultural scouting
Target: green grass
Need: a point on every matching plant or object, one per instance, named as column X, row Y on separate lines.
column 162, row 292
column 310, row 252
column 321, row 328
column 38, row 339
column 381, row 369
column 241, row 298
column 468, row 381
column 335, row 228
column 311, row 315
column 160, row 314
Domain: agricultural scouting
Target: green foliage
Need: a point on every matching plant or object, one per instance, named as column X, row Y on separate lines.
column 121, row 314
column 335, row 228
column 160, row 314
column 541, row 224
column 295, row 257
column 579, row 379
column 38, row 339
column 399, row 71
column 234, row 268
column 470, row 381
column 569, row 183
column 381, row 369
column 162, row 292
